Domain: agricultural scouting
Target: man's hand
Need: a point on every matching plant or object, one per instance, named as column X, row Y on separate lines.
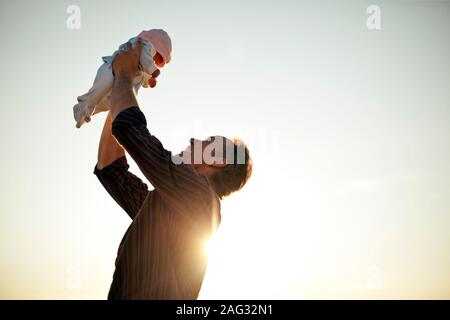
column 126, row 64
column 125, row 68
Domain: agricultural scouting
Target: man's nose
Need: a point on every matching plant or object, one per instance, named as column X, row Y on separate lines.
column 192, row 141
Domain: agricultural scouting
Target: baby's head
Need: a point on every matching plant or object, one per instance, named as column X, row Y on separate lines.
column 161, row 43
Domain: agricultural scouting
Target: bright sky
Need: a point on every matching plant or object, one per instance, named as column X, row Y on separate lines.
column 348, row 129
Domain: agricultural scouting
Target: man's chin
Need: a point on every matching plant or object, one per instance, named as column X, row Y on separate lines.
column 185, row 156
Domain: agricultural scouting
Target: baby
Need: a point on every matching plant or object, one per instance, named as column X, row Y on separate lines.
column 155, row 53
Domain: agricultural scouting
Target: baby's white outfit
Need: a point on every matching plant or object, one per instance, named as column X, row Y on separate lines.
column 98, row 98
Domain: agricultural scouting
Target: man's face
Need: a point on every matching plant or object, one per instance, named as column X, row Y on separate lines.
column 208, row 151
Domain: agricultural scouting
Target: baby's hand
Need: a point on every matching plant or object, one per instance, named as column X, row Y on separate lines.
column 152, row 80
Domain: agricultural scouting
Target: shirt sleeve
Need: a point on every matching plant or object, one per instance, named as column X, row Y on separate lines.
column 124, row 187
column 179, row 184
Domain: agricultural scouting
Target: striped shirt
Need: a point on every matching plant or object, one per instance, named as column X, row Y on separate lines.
column 161, row 255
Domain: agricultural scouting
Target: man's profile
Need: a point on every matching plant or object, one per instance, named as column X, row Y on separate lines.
column 161, row 254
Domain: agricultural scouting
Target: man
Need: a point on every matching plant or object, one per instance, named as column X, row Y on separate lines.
column 161, row 255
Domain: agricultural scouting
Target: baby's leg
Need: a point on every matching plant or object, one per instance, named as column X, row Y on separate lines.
column 146, row 60
column 103, row 105
column 100, row 89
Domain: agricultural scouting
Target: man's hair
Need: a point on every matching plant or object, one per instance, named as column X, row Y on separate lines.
column 234, row 175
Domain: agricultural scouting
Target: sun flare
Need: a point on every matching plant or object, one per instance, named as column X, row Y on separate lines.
column 208, row 247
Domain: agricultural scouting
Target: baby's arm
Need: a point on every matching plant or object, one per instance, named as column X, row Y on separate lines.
column 147, row 64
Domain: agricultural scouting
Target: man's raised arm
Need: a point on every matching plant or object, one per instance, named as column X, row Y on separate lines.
column 177, row 184
column 125, row 68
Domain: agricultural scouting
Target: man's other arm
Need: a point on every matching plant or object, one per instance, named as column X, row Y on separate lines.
column 112, row 170
column 109, row 150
